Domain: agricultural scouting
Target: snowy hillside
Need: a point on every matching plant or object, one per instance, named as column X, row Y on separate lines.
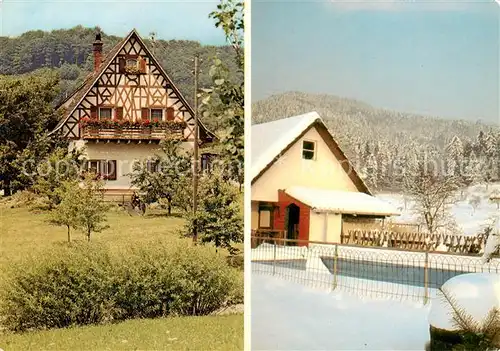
column 469, row 219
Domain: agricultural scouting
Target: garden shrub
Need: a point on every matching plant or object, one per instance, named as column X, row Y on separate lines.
column 67, row 286
column 22, row 198
column 158, row 280
column 236, row 261
column 89, row 284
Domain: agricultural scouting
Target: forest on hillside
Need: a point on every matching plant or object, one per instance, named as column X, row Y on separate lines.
column 69, row 51
column 381, row 142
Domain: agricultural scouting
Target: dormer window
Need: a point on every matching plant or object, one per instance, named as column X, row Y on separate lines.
column 308, row 150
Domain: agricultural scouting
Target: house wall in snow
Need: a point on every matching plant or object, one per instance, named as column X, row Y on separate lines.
column 325, row 171
column 325, row 227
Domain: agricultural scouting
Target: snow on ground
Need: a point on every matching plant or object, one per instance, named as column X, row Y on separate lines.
column 290, row 316
column 469, row 220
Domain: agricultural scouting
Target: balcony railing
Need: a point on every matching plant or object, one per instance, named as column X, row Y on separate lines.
column 132, row 131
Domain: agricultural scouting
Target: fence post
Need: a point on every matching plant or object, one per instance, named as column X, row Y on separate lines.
column 426, row 278
column 274, row 257
column 335, row 257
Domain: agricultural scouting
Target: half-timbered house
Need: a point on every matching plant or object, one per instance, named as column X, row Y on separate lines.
column 122, row 111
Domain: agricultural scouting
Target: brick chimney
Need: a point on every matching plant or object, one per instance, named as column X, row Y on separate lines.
column 97, row 48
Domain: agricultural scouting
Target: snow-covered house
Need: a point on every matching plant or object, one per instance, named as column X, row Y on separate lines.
column 303, row 184
column 122, row 111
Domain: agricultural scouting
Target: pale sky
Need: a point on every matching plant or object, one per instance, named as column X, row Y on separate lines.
column 169, row 19
column 429, row 58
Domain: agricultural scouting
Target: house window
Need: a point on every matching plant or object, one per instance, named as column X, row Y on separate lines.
column 94, row 166
column 265, row 216
column 152, row 166
column 157, row 113
column 103, row 168
column 131, row 62
column 110, row 171
column 105, row 112
column 308, row 150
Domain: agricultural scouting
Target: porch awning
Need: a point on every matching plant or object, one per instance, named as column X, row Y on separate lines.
column 323, row 200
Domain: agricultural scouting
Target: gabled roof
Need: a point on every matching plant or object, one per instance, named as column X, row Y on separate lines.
column 79, row 94
column 348, row 202
column 272, row 139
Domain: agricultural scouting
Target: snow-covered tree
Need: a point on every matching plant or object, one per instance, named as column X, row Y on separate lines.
column 433, row 195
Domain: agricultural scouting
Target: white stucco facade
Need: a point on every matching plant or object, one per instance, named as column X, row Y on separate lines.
column 125, row 155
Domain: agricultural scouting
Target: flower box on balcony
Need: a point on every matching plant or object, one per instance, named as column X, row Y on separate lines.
column 134, row 129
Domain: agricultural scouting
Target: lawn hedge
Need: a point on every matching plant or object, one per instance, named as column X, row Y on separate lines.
column 87, row 283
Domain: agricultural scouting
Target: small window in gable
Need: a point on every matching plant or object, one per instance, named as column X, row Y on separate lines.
column 105, row 113
column 308, row 150
column 131, row 62
column 157, row 114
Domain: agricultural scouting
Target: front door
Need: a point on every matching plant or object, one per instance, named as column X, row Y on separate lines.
column 293, row 215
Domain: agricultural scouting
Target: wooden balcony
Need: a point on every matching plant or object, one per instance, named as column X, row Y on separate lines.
column 130, row 133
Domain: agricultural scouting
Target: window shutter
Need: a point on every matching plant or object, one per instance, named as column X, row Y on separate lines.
column 145, row 113
column 142, row 65
column 121, row 64
column 93, row 112
column 170, row 114
column 119, row 113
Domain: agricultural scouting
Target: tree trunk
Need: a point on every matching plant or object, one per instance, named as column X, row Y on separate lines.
column 169, row 206
column 88, row 236
column 6, row 189
column 69, row 236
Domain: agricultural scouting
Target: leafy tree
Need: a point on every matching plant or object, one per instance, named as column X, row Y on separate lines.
column 218, row 218
column 67, row 211
column 26, row 112
column 225, row 99
column 91, row 206
column 59, row 166
column 167, row 176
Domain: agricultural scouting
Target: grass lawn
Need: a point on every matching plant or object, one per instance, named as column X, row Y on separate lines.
column 184, row 333
column 24, row 232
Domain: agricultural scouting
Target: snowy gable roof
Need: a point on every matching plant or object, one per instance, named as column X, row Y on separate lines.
column 269, row 140
column 346, row 202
